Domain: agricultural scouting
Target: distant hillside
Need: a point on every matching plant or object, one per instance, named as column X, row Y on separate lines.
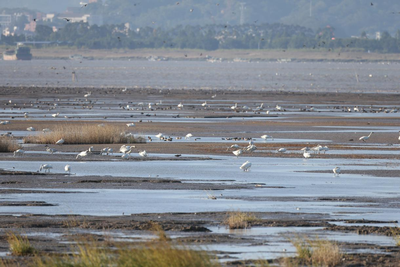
column 348, row 17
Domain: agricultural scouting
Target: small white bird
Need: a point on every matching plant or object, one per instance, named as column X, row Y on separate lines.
column 45, row 167
column 234, row 107
column 159, row 135
column 130, row 124
column 82, row 154
column 336, row 171
column 246, row 166
column 364, row 138
column 204, row 104
column 51, row 150
column 31, row 129
column 251, row 148
column 19, row 152
column 282, row 150
column 238, row 152
column 278, row 107
column 233, row 146
column 60, row 142
column 55, row 115
column 4, row 122
column 88, row 94
column 125, row 149
column 306, row 155
column 187, row 137
column 126, row 156
column 265, row 137
column 143, row 153
column 46, row 130
column 180, row 105
column 67, row 168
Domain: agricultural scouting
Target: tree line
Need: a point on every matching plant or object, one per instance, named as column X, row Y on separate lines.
column 210, row 37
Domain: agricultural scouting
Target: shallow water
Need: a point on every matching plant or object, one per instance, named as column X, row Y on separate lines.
column 293, row 76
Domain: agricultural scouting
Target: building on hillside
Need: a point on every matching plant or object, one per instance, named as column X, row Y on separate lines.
column 71, row 17
column 5, row 20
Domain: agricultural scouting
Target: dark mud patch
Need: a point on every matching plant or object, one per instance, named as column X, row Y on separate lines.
column 364, row 230
column 26, row 204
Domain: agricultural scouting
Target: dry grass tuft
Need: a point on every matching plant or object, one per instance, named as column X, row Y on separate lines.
column 396, row 235
column 19, row 245
column 315, row 252
column 160, row 254
column 239, row 220
column 85, row 134
column 7, row 144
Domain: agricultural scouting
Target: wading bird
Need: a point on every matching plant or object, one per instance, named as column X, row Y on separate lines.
column 238, row 152
column 306, row 155
column 336, row 171
column 60, row 142
column 246, row 166
column 19, row 152
column 45, row 167
column 364, row 138
column 82, row 154
column 67, row 168
column 143, row 153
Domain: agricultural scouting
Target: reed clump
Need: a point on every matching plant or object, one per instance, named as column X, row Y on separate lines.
column 160, row 254
column 316, row 252
column 86, row 134
column 8, row 144
column 396, row 235
column 239, row 220
column 20, row 245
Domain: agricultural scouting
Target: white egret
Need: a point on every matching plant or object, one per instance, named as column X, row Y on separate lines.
column 159, row 135
column 82, row 154
column 233, row 146
column 336, row 171
column 67, row 168
column 31, row 129
column 282, row 150
column 143, row 153
column 4, row 122
column 125, row 156
column 364, row 138
column 125, row 149
column 45, row 167
column 19, row 152
column 238, row 152
column 204, row 104
column 51, row 150
column 55, row 115
column 251, row 148
column 130, row 124
column 187, row 137
column 60, row 142
column 265, row 137
column 180, row 105
column 246, row 166
column 306, row 155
